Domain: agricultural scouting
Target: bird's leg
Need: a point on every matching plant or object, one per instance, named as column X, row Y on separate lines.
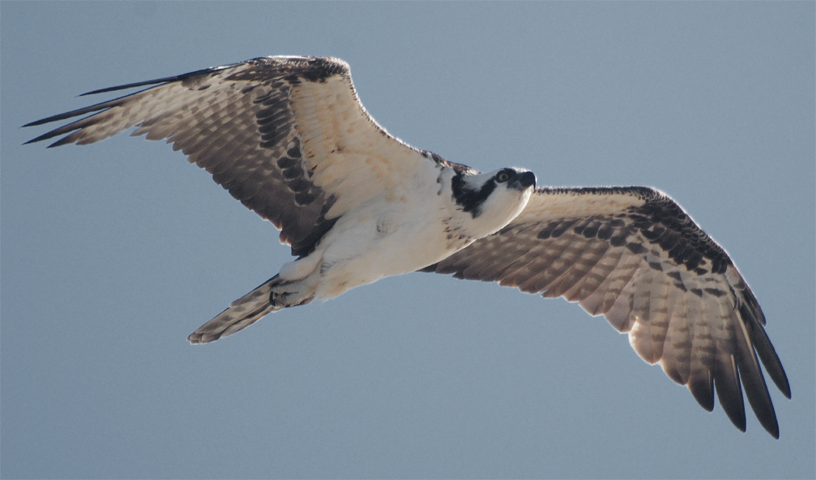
column 287, row 294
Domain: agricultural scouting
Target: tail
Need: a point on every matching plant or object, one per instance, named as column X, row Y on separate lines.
column 241, row 313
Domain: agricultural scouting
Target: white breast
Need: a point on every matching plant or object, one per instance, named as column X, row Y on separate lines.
column 399, row 232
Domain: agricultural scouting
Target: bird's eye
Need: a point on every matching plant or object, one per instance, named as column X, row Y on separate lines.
column 502, row 177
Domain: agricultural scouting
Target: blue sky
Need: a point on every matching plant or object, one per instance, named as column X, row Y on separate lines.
column 112, row 254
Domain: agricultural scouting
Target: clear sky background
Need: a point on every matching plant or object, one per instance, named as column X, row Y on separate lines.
column 112, row 254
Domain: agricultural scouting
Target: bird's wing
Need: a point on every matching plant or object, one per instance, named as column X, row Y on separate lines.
column 287, row 136
column 633, row 255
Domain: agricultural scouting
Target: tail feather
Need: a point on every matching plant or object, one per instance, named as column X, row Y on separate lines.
column 241, row 313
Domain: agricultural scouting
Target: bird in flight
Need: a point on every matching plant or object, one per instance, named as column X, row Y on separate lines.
column 289, row 138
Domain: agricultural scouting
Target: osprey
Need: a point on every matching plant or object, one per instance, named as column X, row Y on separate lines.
column 288, row 137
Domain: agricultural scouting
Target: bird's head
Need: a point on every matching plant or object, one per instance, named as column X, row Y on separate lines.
column 492, row 199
